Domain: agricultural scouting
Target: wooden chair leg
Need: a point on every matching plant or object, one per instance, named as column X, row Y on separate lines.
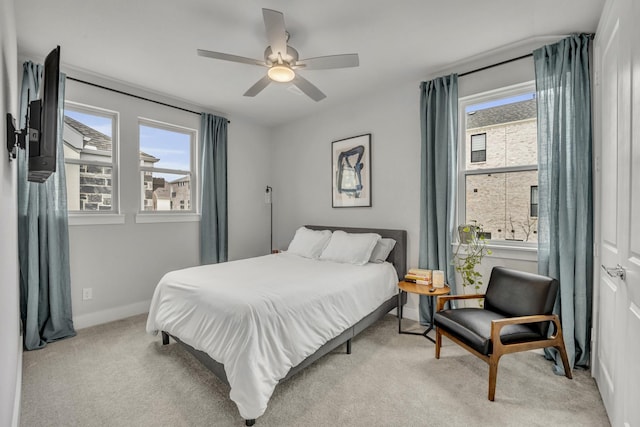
column 438, row 342
column 565, row 360
column 493, row 374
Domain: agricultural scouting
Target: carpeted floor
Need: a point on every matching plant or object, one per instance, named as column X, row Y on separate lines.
column 116, row 375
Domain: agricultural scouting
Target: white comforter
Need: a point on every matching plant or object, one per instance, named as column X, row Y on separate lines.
column 262, row 316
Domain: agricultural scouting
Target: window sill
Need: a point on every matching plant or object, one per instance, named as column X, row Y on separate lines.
column 95, row 219
column 520, row 252
column 150, row 218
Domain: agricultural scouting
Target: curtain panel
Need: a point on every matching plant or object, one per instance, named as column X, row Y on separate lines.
column 565, row 230
column 43, row 236
column 213, row 221
column 438, row 177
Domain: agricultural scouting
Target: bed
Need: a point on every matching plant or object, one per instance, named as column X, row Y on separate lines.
column 254, row 330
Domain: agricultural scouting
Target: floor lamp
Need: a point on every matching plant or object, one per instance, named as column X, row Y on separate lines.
column 267, row 199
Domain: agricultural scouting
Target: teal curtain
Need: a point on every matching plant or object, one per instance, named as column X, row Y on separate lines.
column 213, row 221
column 43, row 236
column 565, row 230
column 438, row 165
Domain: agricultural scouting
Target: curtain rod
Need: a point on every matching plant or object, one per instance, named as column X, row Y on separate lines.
column 495, row 65
column 134, row 96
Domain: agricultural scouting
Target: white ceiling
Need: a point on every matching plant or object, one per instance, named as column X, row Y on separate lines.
column 152, row 44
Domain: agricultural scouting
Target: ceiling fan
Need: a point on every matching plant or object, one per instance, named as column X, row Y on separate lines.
column 282, row 60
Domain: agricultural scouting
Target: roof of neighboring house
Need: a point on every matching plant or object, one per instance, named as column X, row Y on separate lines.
column 97, row 139
column 502, row 114
column 93, row 138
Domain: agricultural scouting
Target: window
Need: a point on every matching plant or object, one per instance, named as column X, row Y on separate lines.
column 498, row 188
column 479, row 148
column 167, row 158
column 90, row 147
column 533, row 210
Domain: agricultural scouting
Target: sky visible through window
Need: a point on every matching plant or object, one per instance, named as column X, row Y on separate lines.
column 501, row 101
column 172, row 148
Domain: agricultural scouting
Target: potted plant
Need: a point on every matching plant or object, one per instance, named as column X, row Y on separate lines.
column 466, row 232
column 469, row 253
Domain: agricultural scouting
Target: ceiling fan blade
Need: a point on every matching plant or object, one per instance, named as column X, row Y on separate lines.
column 232, row 58
column 258, row 86
column 308, row 88
column 332, row 61
column 276, row 31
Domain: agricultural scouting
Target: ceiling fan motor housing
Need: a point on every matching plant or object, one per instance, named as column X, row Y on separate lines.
column 290, row 58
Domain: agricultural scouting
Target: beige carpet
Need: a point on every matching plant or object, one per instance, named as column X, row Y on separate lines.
column 116, row 375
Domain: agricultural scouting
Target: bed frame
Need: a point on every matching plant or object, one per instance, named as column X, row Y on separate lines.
column 397, row 257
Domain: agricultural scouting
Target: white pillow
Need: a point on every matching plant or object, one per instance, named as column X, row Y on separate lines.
column 351, row 248
column 382, row 250
column 309, row 243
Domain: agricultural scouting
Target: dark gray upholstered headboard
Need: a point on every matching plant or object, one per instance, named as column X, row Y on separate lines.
column 397, row 257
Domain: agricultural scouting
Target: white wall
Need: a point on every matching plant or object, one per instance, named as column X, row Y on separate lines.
column 302, row 157
column 10, row 337
column 122, row 263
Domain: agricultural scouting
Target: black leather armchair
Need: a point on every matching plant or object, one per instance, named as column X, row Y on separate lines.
column 516, row 316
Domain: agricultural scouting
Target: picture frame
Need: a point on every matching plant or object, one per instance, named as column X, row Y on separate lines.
column 351, row 172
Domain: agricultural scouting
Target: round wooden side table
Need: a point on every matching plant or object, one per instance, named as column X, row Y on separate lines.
column 429, row 291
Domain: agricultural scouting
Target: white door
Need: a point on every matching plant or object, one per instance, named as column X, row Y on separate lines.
column 616, row 350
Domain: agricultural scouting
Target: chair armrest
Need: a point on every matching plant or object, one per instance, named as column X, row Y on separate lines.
column 444, row 298
column 498, row 324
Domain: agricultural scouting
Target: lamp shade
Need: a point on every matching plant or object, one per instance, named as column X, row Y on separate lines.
column 281, row 73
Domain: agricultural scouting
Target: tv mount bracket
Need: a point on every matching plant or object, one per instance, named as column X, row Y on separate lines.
column 15, row 137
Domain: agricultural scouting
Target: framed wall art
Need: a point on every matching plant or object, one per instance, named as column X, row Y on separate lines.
column 351, row 172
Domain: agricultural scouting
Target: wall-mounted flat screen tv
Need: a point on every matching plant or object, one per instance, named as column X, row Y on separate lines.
column 43, row 122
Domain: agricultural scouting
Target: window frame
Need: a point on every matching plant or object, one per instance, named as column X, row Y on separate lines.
column 113, row 215
column 192, row 214
column 461, row 208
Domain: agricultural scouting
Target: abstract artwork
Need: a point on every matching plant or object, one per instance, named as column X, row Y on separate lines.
column 351, row 172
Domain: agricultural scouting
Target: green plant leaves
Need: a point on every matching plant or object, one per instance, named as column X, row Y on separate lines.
column 465, row 261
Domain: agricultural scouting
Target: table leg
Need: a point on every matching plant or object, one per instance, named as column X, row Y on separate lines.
column 432, row 309
column 429, row 328
column 400, row 312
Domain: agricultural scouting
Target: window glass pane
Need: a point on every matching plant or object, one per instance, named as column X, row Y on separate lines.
column 88, row 138
column 478, row 142
column 478, row 148
column 534, row 201
column 167, row 149
column 510, row 126
column 500, row 202
column 89, row 187
column 166, row 192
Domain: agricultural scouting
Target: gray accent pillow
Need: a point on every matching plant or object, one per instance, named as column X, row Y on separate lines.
column 382, row 250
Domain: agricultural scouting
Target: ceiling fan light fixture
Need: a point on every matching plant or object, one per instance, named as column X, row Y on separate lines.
column 281, row 73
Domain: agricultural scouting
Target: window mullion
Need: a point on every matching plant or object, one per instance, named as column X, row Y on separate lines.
column 507, row 169
column 163, row 170
column 88, row 162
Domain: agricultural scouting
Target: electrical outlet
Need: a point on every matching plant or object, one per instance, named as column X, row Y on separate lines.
column 87, row 293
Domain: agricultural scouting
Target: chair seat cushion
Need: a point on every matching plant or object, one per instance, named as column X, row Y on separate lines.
column 473, row 327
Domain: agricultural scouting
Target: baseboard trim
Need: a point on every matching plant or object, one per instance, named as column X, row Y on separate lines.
column 110, row 315
column 15, row 422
